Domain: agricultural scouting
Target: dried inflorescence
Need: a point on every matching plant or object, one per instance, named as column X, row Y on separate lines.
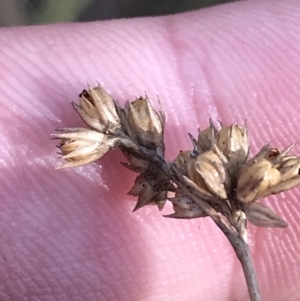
column 218, row 166
column 214, row 178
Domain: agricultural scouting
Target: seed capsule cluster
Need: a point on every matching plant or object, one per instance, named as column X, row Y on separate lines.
column 217, row 164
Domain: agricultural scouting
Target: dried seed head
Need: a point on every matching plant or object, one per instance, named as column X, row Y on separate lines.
column 208, row 172
column 98, row 109
column 254, row 178
column 263, row 216
column 82, row 146
column 233, row 141
column 214, row 176
column 146, row 124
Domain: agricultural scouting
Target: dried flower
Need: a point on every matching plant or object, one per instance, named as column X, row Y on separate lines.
column 269, row 172
column 98, row 109
column 81, row 146
column 289, row 168
column 208, row 172
column 146, row 124
column 233, row 141
column 254, row 178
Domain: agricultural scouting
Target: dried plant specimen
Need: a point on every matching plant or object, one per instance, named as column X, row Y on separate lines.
column 214, row 178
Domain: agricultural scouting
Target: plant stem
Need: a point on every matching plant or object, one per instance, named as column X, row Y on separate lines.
column 243, row 253
column 238, row 240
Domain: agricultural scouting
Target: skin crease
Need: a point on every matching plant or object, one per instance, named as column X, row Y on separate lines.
column 70, row 234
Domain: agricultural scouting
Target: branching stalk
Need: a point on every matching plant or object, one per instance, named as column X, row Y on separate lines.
column 216, row 178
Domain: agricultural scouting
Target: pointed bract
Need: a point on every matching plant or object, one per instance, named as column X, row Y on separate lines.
column 136, row 162
column 184, row 207
column 139, row 185
column 207, row 137
column 145, row 197
column 262, row 216
column 149, row 191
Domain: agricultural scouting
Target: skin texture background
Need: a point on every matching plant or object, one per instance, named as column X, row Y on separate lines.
column 70, row 234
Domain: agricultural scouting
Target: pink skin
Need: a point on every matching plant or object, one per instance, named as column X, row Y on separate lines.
column 70, row 234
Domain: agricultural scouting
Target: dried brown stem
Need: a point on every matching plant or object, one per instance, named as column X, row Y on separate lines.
column 243, row 253
column 236, row 236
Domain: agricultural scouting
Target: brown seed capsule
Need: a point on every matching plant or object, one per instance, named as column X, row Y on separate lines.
column 254, row 178
column 208, row 172
column 262, row 216
column 98, row 109
column 145, row 123
column 233, row 141
column 82, row 146
column 185, row 208
column 182, row 160
column 207, row 137
column 289, row 169
column 149, row 191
